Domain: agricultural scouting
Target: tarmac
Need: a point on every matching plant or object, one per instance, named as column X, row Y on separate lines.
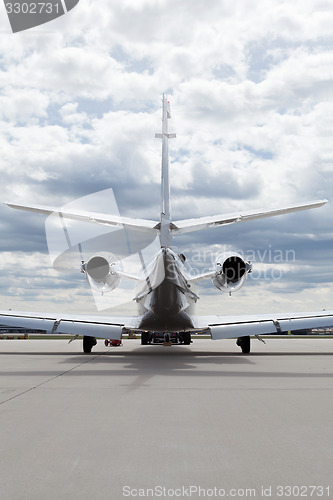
column 166, row 422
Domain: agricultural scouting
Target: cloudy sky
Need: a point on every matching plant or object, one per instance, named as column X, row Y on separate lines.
column 251, row 90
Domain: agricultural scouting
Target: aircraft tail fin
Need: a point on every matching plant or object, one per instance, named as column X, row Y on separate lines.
column 165, row 181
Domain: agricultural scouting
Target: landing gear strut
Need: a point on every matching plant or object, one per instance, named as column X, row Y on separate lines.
column 245, row 344
column 88, row 343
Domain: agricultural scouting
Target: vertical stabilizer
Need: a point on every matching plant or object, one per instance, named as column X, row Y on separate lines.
column 165, row 183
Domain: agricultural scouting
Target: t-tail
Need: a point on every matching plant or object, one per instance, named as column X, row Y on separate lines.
column 165, row 221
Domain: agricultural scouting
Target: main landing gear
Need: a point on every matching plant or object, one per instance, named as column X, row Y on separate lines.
column 185, row 338
column 146, row 338
column 244, row 343
column 88, row 343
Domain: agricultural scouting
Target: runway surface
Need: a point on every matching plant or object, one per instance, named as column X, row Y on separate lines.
column 127, row 422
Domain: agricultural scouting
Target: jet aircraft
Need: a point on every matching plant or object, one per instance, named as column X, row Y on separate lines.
column 167, row 297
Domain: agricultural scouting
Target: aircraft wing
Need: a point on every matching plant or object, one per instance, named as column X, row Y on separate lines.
column 97, row 218
column 111, row 327
column 106, row 327
column 189, row 225
column 223, row 327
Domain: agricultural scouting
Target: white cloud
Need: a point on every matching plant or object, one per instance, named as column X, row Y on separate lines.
column 23, row 105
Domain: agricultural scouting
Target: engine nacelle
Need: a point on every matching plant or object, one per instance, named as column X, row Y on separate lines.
column 102, row 272
column 230, row 272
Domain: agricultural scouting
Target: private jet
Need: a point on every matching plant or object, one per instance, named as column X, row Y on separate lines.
column 167, row 293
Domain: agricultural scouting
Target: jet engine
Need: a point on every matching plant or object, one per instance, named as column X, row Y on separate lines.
column 102, row 272
column 230, row 272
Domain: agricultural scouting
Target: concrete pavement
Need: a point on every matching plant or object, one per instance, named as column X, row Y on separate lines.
column 124, row 422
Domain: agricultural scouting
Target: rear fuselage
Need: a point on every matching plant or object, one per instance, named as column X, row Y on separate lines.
column 168, row 304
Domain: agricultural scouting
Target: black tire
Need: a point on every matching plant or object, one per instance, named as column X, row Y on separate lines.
column 145, row 338
column 88, row 344
column 245, row 344
column 187, row 338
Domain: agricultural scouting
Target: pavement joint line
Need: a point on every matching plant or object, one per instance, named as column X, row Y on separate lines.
column 50, row 379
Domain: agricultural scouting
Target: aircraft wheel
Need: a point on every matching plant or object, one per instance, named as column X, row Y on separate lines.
column 144, row 338
column 88, row 343
column 187, row 338
column 245, row 344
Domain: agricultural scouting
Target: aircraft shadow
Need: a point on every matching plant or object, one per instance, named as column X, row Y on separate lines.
column 144, row 364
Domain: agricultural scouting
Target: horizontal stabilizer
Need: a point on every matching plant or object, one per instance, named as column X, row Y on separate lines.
column 169, row 136
column 96, row 218
column 189, row 225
